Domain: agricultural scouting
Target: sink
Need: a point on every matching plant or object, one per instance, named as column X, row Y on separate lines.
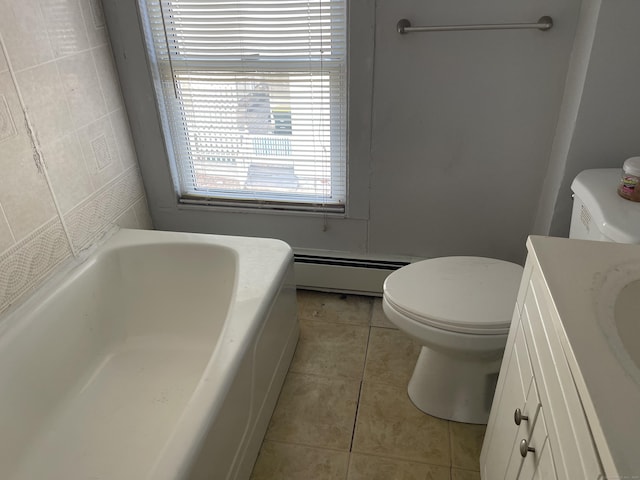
column 618, row 310
column 627, row 319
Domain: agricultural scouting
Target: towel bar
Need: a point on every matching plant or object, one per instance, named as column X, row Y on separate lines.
column 544, row 23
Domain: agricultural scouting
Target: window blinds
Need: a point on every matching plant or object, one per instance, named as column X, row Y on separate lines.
column 254, row 98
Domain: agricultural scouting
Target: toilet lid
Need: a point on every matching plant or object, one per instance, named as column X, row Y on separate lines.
column 460, row 294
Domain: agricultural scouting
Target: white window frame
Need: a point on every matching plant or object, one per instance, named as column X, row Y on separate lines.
column 168, row 69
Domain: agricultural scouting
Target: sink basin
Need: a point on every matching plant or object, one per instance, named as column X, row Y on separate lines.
column 618, row 310
column 627, row 320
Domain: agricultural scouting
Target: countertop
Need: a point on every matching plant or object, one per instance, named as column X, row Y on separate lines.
column 576, row 272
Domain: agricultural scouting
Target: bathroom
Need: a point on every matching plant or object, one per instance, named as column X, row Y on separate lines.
column 459, row 143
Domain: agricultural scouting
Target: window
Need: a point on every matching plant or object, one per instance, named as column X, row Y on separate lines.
column 253, row 94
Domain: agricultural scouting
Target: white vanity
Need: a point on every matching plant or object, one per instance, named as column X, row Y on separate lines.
column 567, row 403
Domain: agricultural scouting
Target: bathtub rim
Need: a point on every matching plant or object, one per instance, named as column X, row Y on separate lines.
column 182, row 445
column 236, row 339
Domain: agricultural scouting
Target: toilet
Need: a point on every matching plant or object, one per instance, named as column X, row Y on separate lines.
column 459, row 308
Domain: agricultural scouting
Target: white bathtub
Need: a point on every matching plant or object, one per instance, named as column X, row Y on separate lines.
column 160, row 356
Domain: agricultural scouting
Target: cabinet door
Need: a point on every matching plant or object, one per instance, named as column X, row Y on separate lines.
column 538, row 465
column 504, row 433
column 525, row 431
column 569, row 434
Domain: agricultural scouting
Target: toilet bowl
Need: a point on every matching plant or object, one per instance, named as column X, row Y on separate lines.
column 459, row 309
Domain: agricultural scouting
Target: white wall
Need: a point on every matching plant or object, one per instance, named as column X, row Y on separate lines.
column 68, row 169
column 463, row 124
column 449, row 133
column 600, row 123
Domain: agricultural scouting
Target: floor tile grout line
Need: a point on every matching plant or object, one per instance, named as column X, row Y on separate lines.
column 365, row 324
column 324, row 321
column 387, row 457
column 329, row 377
column 450, row 444
column 332, row 323
column 364, row 368
column 346, row 473
column 369, row 301
column 361, row 379
column 407, row 460
column 453, row 467
column 307, row 445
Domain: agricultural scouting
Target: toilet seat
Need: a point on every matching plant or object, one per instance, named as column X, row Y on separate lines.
column 473, row 295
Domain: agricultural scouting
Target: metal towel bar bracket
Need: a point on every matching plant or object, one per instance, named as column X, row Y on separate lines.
column 543, row 23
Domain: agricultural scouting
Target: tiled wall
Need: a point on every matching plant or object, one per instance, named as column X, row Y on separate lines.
column 68, row 168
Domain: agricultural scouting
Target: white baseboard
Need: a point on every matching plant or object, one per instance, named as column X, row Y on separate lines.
column 359, row 276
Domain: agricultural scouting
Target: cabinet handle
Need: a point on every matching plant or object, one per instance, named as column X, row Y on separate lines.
column 525, row 448
column 518, row 416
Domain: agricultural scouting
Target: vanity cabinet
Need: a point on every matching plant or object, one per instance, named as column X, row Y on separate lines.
column 537, row 427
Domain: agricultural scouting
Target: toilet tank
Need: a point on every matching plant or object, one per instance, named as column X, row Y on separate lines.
column 599, row 213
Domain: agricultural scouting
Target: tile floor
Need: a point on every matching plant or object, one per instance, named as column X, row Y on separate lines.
column 344, row 413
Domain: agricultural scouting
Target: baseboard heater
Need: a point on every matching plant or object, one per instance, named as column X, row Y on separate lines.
column 348, row 275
